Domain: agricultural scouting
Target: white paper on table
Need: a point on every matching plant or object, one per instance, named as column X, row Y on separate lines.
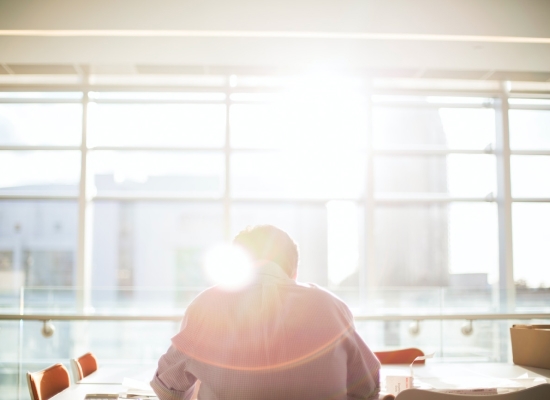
column 420, row 358
column 469, row 383
column 137, row 388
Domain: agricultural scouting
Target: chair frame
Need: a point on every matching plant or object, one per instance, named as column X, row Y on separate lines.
column 76, row 367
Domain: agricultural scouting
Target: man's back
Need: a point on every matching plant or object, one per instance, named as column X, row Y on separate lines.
column 275, row 339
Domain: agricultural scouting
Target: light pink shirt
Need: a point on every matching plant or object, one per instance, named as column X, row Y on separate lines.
column 275, row 339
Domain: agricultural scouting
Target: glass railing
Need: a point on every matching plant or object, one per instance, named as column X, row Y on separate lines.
column 135, row 325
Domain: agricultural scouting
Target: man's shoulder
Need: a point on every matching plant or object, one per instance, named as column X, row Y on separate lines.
column 323, row 296
column 315, row 290
column 209, row 295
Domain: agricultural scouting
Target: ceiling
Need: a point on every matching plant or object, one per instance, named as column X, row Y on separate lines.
column 457, row 39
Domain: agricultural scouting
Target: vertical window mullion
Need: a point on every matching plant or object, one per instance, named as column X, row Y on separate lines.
column 504, row 202
column 227, row 154
column 83, row 273
column 368, row 271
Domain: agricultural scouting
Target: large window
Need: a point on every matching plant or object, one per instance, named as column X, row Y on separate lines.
column 379, row 190
column 530, row 169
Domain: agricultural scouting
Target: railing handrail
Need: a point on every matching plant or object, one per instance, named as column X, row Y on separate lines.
column 178, row 317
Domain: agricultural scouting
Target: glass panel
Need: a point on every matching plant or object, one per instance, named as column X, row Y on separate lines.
column 301, row 121
column 454, row 128
column 193, row 125
column 37, row 245
column 343, row 228
column 158, row 173
column 469, row 293
column 40, row 124
column 299, row 174
column 40, row 171
column 455, row 174
column 429, row 245
column 136, row 346
column 531, row 230
column 473, row 244
column 529, row 176
column 489, row 341
column 467, row 128
column 391, row 335
column 529, row 129
column 118, row 345
column 140, row 246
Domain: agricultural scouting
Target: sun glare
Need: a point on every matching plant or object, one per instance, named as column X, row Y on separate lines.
column 228, row 267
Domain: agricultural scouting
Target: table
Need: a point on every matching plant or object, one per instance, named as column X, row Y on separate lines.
column 469, row 375
column 79, row 392
column 108, row 379
column 114, row 374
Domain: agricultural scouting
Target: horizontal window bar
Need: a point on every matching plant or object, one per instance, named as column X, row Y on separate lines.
column 320, row 201
column 405, row 317
column 12, row 195
column 426, row 199
column 39, row 101
column 153, row 197
column 161, row 198
column 70, row 87
column 153, row 101
column 427, row 152
column 427, row 105
column 39, row 147
column 156, row 148
column 531, row 152
column 529, row 107
column 381, row 89
column 378, row 152
column 531, row 199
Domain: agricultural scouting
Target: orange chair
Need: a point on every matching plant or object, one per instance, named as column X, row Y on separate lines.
column 401, row 356
column 83, row 366
column 45, row 384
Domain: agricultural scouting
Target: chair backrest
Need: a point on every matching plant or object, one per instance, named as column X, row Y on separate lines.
column 83, row 366
column 539, row 392
column 401, row 356
column 45, row 384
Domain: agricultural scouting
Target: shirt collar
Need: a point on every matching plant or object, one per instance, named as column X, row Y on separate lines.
column 269, row 271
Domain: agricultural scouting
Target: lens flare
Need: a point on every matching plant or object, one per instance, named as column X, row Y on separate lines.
column 228, row 267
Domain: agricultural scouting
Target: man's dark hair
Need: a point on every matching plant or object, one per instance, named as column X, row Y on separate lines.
column 266, row 242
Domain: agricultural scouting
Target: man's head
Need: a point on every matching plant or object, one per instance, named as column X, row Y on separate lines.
column 266, row 242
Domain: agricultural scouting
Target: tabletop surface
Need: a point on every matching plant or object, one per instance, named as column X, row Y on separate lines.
column 448, row 369
column 79, row 392
column 114, row 374
column 466, row 376
column 108, row 378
